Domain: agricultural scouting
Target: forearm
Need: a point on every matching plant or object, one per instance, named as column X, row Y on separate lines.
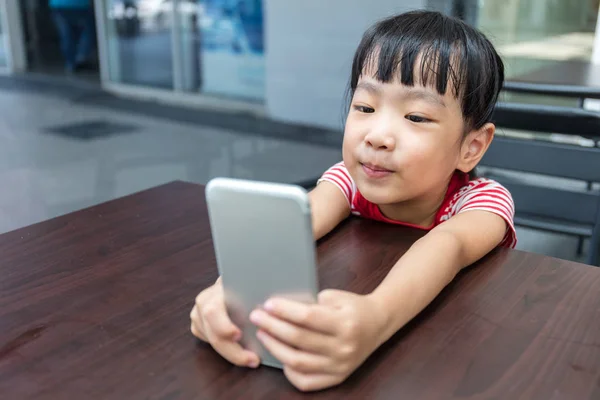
column 328, row 209
column 416, row 279
column 320, row 229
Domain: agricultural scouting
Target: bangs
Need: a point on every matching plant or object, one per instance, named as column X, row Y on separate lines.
column 411, row 62
column 436, row 51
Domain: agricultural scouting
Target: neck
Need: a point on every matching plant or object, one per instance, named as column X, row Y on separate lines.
column 420, row 211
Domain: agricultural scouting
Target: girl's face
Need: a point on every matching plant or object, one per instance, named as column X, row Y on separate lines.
column 402, row 143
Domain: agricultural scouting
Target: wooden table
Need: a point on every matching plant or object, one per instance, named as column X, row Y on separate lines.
column 576, row 79
column 95, row 305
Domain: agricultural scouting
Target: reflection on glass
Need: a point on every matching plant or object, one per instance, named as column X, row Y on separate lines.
column 531, row 34
column 189, row 13
column 223, row 47
column 139, row 42
column 3, row 50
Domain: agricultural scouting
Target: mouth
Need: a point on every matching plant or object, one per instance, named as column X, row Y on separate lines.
column 375, row 171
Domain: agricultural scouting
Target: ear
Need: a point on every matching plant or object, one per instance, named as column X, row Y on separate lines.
column 474, row 147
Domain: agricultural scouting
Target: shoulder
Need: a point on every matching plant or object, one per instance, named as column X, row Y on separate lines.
column 340, row 177
column 481, row 192
column 485, row 195
column 482, row 187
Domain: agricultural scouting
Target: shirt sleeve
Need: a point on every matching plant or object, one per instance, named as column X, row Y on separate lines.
column 340, row 177
column 489, row 195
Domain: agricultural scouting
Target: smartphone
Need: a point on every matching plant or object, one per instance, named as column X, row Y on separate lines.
column 263, row 240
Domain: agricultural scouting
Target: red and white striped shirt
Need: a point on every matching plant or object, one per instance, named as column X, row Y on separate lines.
column 462, row 195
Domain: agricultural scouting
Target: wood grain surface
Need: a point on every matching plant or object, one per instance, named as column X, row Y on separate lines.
column 95, row 305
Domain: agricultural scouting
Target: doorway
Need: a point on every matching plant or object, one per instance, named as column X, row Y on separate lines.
column 42, row 44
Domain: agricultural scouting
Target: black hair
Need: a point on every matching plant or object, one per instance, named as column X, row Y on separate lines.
column 452, row 55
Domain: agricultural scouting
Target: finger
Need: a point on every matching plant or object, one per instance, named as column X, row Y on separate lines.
column 313, row 316
column 293, row 335
column 197, row 333
column 196, row 314
column 196, row 317
column 197, row 327
column 311, row 382
column 210, row 292
column 332, row 297
column 235, row 353
column 216, row 320
column 204, row 296
column 297, row 359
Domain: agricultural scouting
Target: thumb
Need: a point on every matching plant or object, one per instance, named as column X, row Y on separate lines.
column 331, row 297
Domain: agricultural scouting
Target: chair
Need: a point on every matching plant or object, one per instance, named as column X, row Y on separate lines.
column 550, row 208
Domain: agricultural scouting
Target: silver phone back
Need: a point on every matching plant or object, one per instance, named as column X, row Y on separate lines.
column 264, row 244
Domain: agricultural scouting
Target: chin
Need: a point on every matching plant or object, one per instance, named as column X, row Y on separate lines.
column 379, row 195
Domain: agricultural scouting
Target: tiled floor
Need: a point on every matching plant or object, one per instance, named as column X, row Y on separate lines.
column 61, row 152
column 45, row 174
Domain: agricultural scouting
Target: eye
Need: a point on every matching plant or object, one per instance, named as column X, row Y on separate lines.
column 417, row 119
column 364, row 109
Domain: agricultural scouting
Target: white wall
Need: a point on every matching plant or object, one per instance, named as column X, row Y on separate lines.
column 12, row 36
column 310, row 44
column 596, row 52
column 592, row 104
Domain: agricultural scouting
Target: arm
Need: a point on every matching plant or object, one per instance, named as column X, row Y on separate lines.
column 321, row 344
column 329, row 207
column 421, row 274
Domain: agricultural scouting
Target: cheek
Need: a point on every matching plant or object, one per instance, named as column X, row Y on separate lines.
column 352, row 140
column 415, row 150
column 426, row 156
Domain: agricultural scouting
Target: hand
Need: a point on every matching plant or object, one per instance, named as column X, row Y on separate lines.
column 321, row 344
column 211, row 323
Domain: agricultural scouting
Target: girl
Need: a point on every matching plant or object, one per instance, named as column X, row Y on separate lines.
column 423, row 89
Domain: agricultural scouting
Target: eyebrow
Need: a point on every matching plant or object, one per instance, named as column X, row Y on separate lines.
column 414, row 93
column 425, row 95
column 369, row 87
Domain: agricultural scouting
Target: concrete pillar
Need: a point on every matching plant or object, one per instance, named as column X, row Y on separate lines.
column 310, row 44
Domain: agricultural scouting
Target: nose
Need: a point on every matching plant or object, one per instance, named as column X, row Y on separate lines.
column 379, row 140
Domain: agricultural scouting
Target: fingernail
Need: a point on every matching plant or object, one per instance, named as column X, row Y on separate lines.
column 255, row 317
column 269, row 305
column 254, row 364
column 237, row 337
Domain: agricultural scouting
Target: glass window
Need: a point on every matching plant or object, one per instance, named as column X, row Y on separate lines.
column 139, row 42
column 3, row 47
column 223, row 47
column 530, row 34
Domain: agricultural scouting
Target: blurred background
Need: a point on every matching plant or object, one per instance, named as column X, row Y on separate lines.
column 193, row 89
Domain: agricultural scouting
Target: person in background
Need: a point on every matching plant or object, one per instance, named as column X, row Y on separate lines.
column 74, row 20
